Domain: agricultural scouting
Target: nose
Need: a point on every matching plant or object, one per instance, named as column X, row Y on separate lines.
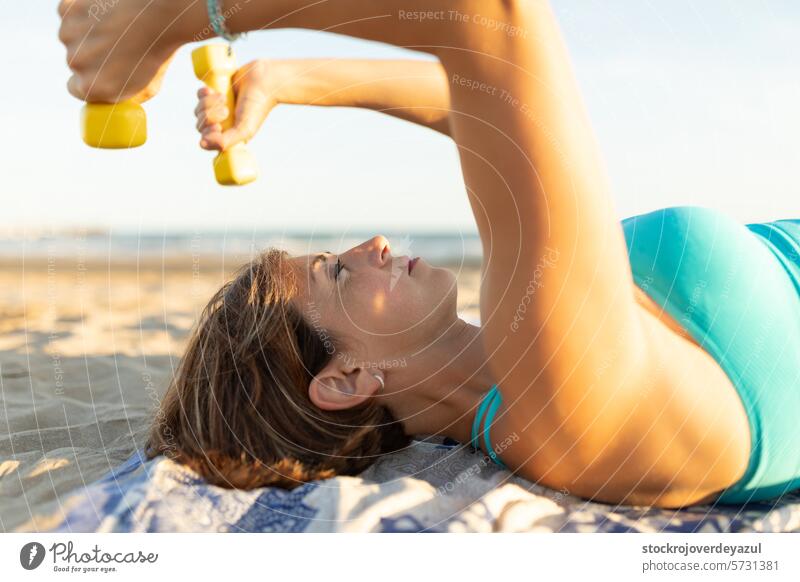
column 374, row 252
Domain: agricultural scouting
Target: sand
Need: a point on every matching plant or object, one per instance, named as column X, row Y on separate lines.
column 86, row 352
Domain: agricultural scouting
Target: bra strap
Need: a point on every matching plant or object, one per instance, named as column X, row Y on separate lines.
column 490, row 403
column 484, row 404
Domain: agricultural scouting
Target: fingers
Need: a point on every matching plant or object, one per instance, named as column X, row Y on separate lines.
column 214, row 138
column 68, row 32
column 104, row 72
column 211, row 112
column 64, row 6
column 212, row 108
column 211, row 138
column 214, row 117
column 233, row 136
column 97, row 92
column 252, row 107
column 75, row 89
column 253, row 104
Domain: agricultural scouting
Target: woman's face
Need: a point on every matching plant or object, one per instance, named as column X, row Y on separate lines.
column 381, row 305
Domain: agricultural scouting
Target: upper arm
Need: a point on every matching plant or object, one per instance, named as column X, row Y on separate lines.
column 655, row 439
column 557, row 286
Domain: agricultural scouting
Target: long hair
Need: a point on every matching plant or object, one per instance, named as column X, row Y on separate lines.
column 237, row 410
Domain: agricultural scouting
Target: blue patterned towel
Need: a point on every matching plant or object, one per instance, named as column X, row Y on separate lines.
column 437, row 485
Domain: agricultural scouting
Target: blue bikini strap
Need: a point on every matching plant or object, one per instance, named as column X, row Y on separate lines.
column 491, row 401
column 486, row 399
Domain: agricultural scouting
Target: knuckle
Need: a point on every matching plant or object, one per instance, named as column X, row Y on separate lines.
column 63, row 34
column 101, row 91
column 74, row 87
column 74, row 60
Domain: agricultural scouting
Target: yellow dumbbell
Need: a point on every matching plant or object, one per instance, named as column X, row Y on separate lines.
column 124, row 124
column 214, row 64
column 114, row 125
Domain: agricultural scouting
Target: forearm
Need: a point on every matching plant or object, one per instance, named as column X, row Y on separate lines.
column 419, row 24
column 412, row 90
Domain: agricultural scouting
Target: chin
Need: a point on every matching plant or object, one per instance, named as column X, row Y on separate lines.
column 451, row 279
column 446, row 300
column 436, row 299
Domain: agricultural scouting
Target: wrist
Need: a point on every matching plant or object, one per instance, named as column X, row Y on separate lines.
column 287, row 81
column 186, row 21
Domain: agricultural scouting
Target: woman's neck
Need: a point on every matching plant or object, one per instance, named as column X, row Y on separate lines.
column 439, row 390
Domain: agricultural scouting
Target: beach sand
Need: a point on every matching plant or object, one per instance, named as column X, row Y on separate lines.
column 86, row 352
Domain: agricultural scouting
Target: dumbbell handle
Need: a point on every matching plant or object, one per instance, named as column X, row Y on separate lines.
column 215, row 65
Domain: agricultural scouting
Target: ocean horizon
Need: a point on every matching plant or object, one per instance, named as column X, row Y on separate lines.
column 93, row 244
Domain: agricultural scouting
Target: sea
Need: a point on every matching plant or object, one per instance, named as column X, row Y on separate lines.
column 98, row 245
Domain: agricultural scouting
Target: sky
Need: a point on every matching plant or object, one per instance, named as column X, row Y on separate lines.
column 692, row 103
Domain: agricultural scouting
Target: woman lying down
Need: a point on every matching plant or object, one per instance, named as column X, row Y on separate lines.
column 653, row 361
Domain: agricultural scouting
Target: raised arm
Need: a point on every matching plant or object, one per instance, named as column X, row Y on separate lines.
column 413, row 90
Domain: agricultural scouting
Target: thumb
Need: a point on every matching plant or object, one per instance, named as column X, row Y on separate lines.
column 252, row 108
column 154, row 86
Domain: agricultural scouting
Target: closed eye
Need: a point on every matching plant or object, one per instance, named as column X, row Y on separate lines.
column 338, row 268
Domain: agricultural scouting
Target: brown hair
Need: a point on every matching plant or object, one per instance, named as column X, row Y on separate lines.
column 237, row 410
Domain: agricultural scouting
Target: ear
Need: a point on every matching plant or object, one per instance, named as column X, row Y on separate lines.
column 339, row 386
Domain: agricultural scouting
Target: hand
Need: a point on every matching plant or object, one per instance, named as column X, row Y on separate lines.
column 255, row 88
column 117, row 50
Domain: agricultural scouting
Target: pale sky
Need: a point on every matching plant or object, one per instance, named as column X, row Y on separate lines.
column 692, row 103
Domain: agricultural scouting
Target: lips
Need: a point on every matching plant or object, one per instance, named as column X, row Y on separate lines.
column 411, row 264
